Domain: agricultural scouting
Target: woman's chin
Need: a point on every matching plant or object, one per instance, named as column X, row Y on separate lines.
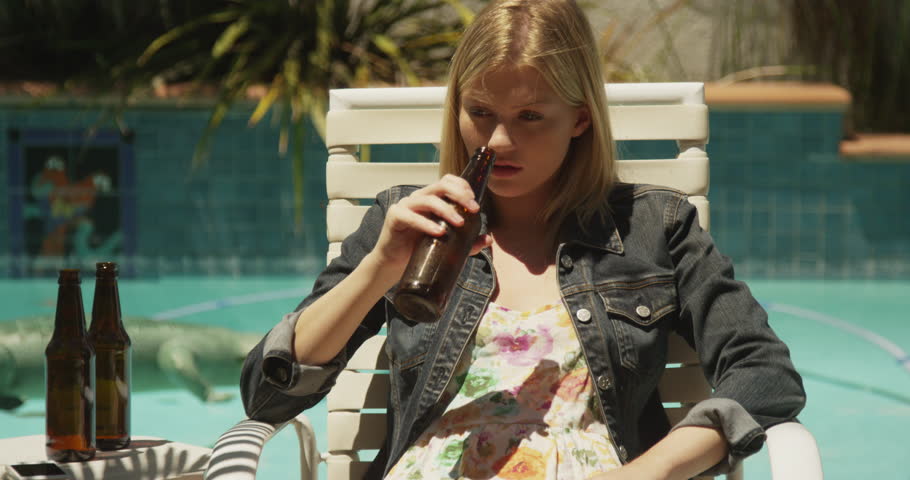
column 516, row 187
column 505, row 191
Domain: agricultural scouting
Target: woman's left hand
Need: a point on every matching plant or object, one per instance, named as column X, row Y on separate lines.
column 630, row 471
column 682, row 454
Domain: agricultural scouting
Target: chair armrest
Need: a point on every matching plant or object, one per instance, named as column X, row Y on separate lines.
column 236, row 454
column 793, row 453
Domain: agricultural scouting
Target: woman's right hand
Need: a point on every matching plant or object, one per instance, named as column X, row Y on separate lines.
column 416, row 215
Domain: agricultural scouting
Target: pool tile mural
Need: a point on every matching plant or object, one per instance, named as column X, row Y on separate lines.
column 784, row 202
column 71, row 193
column 236, row 214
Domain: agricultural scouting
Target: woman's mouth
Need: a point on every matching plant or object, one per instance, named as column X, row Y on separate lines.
column 505, row 170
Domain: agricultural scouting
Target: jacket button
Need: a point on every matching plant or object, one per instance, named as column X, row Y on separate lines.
column 565, row 261
column 643, row 311
column 583, row 315
column 604, row 382
column 623, row 454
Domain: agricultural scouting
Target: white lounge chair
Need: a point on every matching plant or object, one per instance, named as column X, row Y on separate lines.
column 658, row 111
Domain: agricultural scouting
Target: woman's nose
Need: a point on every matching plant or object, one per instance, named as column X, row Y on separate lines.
column 501, row 140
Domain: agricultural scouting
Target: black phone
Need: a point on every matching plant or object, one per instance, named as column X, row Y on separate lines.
column 37, row 471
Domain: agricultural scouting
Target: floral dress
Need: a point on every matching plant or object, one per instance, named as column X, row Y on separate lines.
column 522, row 407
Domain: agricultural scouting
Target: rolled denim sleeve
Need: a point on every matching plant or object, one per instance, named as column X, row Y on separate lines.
column 280, row 369
column 755, row 385
column 743, row 434
column 275, row 387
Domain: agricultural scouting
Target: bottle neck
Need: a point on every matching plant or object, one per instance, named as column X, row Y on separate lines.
column 478, row 170
column 70, row 317
column 106, row 305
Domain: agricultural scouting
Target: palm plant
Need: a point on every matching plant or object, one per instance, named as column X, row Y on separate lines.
column 299, row 49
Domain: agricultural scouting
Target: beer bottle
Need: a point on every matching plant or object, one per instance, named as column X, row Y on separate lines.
column 437, row 261
column 69, row 378
column 112, row 362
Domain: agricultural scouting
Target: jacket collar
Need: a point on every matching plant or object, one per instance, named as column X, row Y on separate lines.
column 598, row 232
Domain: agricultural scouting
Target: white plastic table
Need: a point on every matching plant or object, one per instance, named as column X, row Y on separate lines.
column 147, row 458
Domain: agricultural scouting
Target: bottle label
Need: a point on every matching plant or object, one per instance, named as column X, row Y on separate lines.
column 113, row 392
column 70, row 399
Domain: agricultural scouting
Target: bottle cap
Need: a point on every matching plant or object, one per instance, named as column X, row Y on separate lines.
column 106, row 269
column 69, row 276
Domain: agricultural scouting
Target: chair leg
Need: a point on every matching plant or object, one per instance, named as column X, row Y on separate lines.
column 235, row 455
column 793, row 453
column 309, row 454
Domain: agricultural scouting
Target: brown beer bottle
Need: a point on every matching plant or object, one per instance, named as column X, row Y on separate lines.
column 437, row 261
column 69, row 378
column 112, row 362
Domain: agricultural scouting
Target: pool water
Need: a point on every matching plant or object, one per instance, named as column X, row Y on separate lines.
column 848, row 339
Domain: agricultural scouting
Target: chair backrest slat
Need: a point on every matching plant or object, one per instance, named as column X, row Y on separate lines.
column 351, row 431
column 341, row 466
column 675, row 414
column 370, row 356
column 668, row 93
column 683, row 385
column 350, row 180
column 424, row 125
column 366, row 180
column 678, row 351
column 358, row 390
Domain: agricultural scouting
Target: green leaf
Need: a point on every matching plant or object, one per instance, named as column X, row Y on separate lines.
column 409, row 75
column 298, row 169
column 177, row 32
column 291, row 72
column 434, row 39
column 317, row 107
column 266, row 102
column 325, row 35
column 221, row 108
column 386, row 45
column 465, row 13
column 229, row 37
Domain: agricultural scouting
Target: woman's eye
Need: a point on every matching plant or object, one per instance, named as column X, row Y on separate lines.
column 531, row 116
column 478, row 112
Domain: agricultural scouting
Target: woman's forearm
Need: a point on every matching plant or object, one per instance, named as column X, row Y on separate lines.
column 684, row 453
column 324, row 327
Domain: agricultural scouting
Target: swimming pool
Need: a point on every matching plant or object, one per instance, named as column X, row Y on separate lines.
column 848, row 339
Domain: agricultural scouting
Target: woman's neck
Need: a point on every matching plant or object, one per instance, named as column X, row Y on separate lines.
column 521, row 213
column 518, row 227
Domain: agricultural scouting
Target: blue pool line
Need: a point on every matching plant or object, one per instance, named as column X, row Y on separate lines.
column 899, row 354
column 903, row 359
column 228, row 302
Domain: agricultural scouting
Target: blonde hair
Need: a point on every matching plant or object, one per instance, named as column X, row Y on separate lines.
column 554, row 37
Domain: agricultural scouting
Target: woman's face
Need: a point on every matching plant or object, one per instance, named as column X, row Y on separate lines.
column 516, row 113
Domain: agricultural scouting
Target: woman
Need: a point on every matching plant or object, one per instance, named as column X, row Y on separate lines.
column 546, row 360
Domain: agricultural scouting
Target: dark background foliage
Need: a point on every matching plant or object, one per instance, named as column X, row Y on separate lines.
column 82, row 41
column 863, row 46
column 298, row 49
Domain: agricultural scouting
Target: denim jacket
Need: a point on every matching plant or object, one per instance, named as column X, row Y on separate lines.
column 628, row 279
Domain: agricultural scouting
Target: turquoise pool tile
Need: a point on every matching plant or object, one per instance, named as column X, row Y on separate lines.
column 761, row 162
